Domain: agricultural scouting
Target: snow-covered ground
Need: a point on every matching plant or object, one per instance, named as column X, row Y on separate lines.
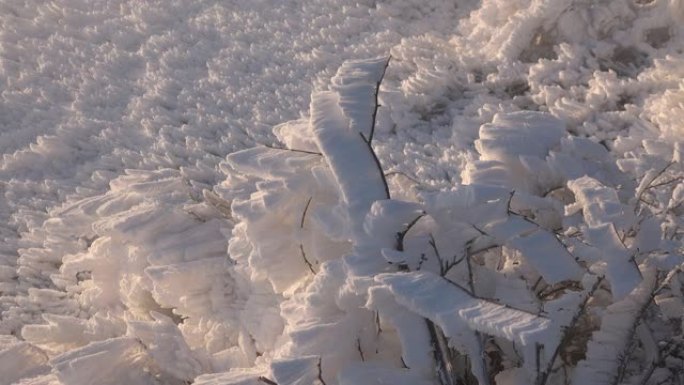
column 154, row 228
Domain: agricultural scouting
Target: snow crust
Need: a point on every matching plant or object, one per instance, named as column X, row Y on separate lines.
column 254, row 192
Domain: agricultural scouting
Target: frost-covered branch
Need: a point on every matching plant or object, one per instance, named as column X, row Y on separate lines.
column 446, row 373
column 568, row 333
column 638, row 319
column 497, row 278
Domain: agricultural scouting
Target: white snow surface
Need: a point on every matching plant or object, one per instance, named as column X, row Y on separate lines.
column 202, row 192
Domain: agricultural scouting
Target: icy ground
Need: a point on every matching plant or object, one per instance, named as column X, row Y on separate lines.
column 155, row 230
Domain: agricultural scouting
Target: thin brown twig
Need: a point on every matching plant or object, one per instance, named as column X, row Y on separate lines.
column 433, row 244
column 301, row 245
column 306, row 260
column 677, row 179
column 292, row 150
column 266, row 380
column 358, row 347
column 378, row 164
column 306, row 208
column 320, row 371
column 396, row 172
column 653, row 179
column 377, row 104
column 402, row 234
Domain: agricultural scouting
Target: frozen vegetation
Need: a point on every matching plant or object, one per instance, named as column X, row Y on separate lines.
column 325, row 192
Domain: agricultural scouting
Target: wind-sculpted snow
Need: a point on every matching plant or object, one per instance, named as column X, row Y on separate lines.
column 357, row 84
column 104, row 362
column 89, row 89
column 346, row 150
column 484, row 192
column 444, row 302
column 410, row 328
column 414, row 270
column 509, row 157
column 20, row 359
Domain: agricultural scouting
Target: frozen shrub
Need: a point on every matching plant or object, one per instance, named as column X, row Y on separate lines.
column 537, row 271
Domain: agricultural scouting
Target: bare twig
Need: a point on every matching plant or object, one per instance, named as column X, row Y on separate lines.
column 292, row 150
column 673, row 180
column 460, row 287
column 407, row 176
column 377, row 104
column 551, row 290
column 471, row 283
column 267, row 381
column 306, row 208
column 508, row 204
column 423, row 258
column 320, row 371
column 433, row 244
column 378, row 328
column 536, row 285
column 454, row 262
column 649, row 184
column 358, row 347
column 445, row 267
column 377, row 163
column 466, row 290
column 402, row 234
column 301, row 245
column 537, row 358
column 306, row 260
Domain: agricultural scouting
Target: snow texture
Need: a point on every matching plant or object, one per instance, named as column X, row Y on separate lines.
column 341, row 192
column 450, row 306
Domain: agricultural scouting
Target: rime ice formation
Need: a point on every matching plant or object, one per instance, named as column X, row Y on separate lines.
column 249, row 192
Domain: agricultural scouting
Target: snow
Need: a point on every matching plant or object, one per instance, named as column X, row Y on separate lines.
column 440, row 300
column 298, row 371
column 348, row 155
column 104, row 362
column 341, row 192
column 410, row 326
column 20, row 359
